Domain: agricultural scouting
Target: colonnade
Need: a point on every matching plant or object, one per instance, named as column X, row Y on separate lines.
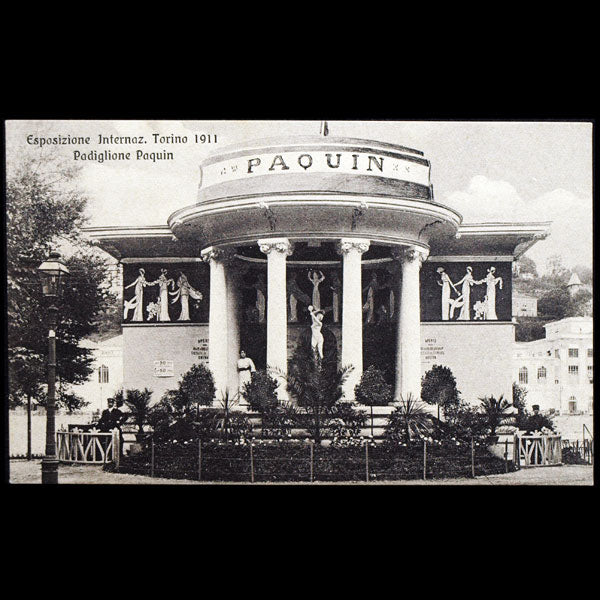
column 224, row 335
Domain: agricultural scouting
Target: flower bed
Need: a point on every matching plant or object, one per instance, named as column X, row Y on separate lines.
column 288, row 461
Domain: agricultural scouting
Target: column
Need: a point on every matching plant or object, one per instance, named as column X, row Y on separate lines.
column 351, row 250
column 218, row 339
column 277, row 251
column 233, row 327
column 408, row 352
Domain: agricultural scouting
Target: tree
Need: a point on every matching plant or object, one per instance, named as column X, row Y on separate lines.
column 519, row 393
column 438, row 386
column 555, row 304
column 586, row 275
column 196, row 388
column 44, row 208
column 316, row 384
column 527, row 265
column 581, row 304
column 555, row 269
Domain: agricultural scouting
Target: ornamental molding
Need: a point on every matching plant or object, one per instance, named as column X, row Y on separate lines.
column 224, row 255
column 410, row 254
column 344, row 246
column 282, row 245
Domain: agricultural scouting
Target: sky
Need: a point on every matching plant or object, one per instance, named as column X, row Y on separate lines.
column 488, row 171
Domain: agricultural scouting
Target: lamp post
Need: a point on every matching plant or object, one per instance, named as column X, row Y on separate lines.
column 53, row 273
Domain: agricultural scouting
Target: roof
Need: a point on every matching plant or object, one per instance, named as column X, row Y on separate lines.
column 574, row 279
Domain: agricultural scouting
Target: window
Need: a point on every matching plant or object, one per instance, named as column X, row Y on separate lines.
column 573, row 370
column 590, row 371
column 556, row 353
column 523, row 375
column 590, row 353
column 542, row 373
column 572, row 404
column 103, row 374
column 573, row 353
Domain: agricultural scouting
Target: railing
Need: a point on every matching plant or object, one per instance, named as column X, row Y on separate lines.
column 583, row 449
column 88, row 447
column 539, row 450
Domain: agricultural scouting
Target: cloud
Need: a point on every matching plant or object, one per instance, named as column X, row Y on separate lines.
column 571, row 216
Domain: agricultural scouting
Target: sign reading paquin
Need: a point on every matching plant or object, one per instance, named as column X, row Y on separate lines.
column 392, row 166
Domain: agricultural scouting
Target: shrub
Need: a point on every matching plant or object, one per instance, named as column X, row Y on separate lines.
column 196, row 388
column 279, row 422
column 345, row 425
column 438, row 386
column 462, row 423
column 373, row 390
column 261, row 392
column 409, row 421
column 238, row 426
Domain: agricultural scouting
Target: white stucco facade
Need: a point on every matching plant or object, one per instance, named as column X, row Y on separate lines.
column 557, row 371
column 107, row 374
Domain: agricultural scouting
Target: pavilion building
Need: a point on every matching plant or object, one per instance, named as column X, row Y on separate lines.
column 347, row 226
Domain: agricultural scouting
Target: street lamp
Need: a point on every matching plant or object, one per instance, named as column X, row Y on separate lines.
column 53, row 273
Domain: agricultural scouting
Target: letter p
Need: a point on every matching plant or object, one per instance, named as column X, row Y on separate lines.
column 253, row 162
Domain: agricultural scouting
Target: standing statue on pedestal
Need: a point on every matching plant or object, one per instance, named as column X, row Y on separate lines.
column 295, row 294
column 137, row 302
column 316, row 278
column 245, row 367
column 317, row 336
column 490, row 298
column 183, row 292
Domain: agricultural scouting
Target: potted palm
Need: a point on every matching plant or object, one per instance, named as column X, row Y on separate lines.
column 498, row 412
column 409, row 420
column 139, row 403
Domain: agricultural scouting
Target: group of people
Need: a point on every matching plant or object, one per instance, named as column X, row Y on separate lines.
column 463, row 301
column 160, row 310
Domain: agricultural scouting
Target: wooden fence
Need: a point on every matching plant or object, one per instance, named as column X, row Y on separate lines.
column 88, row 447
column 538, row 450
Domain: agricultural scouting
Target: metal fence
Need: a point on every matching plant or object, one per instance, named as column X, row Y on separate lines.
column 306, row 461
column 583, row 449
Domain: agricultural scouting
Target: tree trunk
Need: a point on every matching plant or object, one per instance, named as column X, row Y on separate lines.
column 28, row 427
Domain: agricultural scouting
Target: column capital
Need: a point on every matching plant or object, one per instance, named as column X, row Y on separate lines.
column 410, row 254
column 360, row 245
column 282, row 245
column 226, row 255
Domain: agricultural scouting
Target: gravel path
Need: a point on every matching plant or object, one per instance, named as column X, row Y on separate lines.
column 22, row 471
